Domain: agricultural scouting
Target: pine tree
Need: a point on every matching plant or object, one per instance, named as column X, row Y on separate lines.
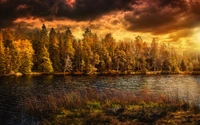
column 54, row 51
column 42, row 61
column 77, row 55
column 13, row 57
column 90, row 57
column 44, row 40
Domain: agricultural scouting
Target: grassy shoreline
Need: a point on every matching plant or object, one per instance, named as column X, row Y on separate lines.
column 85, row 106
column 114, row 73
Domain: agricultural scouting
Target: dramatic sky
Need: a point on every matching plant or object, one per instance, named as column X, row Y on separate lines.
column 175, row 21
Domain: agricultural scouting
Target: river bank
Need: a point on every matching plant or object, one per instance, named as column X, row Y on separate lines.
column 110, row 73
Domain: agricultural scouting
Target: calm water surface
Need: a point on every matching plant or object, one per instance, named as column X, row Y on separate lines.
column 13, row 90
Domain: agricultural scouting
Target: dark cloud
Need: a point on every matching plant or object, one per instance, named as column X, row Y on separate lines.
column 195, row 7
column 85, row 9
column 172, row 3
column 154, row 16
column 163, row 16
column 52, row 9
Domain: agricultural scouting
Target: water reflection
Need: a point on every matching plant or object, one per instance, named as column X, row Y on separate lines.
column 14, row 89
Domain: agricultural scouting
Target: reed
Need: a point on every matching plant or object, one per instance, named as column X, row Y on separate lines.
column 88, row 103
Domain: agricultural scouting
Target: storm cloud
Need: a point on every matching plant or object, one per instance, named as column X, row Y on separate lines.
column 151, row 16
column 163, row 16
column 52, row 9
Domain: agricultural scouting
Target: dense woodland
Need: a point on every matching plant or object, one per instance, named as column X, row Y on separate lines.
column 53, row 51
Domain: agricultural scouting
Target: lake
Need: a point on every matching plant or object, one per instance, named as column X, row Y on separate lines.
column 13, row 90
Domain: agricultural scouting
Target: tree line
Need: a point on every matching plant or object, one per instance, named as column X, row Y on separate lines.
column 55, row 51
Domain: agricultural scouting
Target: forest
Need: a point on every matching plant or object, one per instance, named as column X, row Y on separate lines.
column 54, row 51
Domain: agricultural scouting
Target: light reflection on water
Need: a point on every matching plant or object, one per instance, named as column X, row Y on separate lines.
column 14, row 89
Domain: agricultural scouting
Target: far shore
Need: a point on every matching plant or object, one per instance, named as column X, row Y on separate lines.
column 113, row 73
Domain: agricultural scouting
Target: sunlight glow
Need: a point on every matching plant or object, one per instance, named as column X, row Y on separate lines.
column 196, row 36
column 70, row 2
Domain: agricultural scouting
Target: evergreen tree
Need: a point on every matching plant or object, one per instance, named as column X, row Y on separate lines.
column 12, row 59
column 54, row 50
column 36, row 44
column 110, row 46
column 90, row 58
column 42, row 61
column 44, row 40
column 78, row 56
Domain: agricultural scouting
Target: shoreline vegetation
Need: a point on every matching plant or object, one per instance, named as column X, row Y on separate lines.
column 111, row 73
column 110, row 106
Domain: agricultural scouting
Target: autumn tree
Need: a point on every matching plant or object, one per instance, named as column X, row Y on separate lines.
column 2, row 56
column 154, row 55
column 45, row 62
column 174, row 60
column 104, row 58
column 140, row 50
column 129, row 61
column 60, row 51
column 109, row 55
column 78, row 67
column 25, row 50
column 90, row 57
column 66, row 46
column 12, row 55
column 165, row 58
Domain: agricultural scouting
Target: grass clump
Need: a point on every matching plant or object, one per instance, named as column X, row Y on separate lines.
column 86, row 106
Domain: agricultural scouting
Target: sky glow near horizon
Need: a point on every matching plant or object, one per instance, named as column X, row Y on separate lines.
column 170, row 21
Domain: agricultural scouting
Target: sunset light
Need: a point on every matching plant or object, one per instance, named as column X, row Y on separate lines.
column 196, row 36
column 70, row 2
column 99, row 62
column 124, row 19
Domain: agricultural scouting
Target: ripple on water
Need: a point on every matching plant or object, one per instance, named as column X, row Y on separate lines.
column 14, row 89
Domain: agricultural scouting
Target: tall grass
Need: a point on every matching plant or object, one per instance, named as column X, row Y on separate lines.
column 80, row 98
